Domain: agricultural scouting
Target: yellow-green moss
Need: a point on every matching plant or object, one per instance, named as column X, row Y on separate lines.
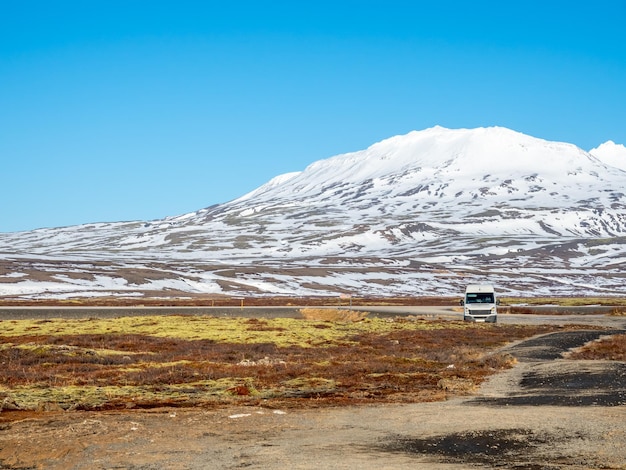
column 89, row 397
column 65, row 350
column 280, row 331
column 306, row 386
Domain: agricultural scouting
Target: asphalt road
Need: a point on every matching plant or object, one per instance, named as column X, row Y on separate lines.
column 582, row 315
column 26, row 313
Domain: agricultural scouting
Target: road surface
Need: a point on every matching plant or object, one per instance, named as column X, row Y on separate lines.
column 583, row 315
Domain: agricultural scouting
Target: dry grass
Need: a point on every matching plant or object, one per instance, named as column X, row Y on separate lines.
column 618, row 312
column 612, row 348
column 204, row 361
column 332, row 314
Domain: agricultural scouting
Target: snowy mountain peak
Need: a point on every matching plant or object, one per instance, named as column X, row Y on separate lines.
column 474, row 150
column 439, row 156
column 611, row 153
column 416, row 214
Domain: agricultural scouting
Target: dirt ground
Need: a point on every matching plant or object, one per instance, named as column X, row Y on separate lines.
column 548, row 412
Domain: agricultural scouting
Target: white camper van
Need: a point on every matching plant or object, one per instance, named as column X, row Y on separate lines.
column 480, row 303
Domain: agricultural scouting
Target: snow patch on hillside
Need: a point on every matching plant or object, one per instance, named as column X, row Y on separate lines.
column 416, row 214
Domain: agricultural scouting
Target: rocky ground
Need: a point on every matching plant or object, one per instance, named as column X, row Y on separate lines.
column 548, row 412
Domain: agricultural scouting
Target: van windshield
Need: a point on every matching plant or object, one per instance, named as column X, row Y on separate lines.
column 479, row 298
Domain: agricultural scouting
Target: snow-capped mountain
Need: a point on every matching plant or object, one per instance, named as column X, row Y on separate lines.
column 611, row 153
column 416, row 214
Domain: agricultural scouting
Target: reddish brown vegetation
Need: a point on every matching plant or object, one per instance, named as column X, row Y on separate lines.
column 612, row 348
column 403, row 365
column 226, row 301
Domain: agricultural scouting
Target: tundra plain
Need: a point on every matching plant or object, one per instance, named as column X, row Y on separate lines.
column 335, row 387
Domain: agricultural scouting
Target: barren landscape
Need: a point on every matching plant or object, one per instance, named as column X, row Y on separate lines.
column 270, row 235
column 354, row 392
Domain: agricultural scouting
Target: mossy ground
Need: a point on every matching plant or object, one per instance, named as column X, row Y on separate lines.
column 181, row 360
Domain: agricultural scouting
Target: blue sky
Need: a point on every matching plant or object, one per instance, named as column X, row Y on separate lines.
column 136, row 110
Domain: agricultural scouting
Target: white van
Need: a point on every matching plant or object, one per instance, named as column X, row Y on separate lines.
column 480, row 303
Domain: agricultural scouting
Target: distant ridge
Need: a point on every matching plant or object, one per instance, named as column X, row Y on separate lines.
column 415, row 214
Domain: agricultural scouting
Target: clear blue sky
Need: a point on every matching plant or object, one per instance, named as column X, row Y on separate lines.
column 136, row 110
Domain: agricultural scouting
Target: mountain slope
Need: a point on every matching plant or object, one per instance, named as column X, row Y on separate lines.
column 462, row 173
column 420, row 213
